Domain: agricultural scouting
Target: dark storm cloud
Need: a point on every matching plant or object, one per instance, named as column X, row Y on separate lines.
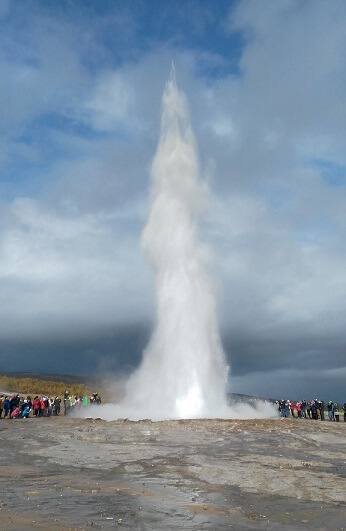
column 100, row 351
column 254, row 352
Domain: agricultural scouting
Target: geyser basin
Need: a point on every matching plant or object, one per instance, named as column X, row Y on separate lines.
column 183, row 373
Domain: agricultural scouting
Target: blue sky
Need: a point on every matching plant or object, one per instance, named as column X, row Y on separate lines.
column 80, row 91
column 94, row 37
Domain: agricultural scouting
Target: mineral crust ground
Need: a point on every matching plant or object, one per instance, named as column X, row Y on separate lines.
column 68, row 473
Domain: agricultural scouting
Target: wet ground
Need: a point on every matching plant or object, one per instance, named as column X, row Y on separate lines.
column 65, row 473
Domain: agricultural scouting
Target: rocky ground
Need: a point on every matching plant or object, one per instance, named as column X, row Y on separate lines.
column 66, row 473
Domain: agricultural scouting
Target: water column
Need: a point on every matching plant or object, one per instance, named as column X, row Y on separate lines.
column 183, row 373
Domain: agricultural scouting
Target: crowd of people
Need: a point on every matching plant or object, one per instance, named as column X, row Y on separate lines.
column 16, row 406
column 315, row 409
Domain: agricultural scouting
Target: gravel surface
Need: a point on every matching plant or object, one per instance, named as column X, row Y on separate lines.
column 67, row 473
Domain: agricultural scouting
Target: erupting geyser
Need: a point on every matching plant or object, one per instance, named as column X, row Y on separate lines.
column 183, row 373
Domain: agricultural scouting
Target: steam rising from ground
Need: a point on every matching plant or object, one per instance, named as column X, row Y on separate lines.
column 183, row 373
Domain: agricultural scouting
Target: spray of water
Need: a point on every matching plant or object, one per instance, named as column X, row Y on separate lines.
column 183, row 373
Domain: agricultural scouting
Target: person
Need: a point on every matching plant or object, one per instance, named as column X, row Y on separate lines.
column 78, row 401
column 95, row 399
column 50, row 406
column 322, row 409
column 2, row 398
column 72, row 400
column 36, row 406
column 336, row 412
column 314, row 409
column 42, row 406
column 299, row 410
column 26, row 411
column 21, row 403
column 318, row 408
column 66, row 405
column 330, row 406
column 29, row 402
column 7, row 406
column 344, row 410
column 308, row 410
column 85, row 400
column 57, row 402
column 46, row 406
column 14, row 402
column 15, row 413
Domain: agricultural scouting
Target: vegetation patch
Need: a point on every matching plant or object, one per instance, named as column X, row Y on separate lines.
column 35, row 386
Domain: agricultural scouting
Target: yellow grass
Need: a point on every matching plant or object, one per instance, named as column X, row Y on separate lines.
column 32, row 386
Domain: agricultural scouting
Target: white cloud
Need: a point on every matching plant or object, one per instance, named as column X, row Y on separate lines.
column 68, row 267
column 111, row 104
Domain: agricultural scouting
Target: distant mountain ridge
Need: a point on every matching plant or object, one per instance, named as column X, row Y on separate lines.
column 65, row 378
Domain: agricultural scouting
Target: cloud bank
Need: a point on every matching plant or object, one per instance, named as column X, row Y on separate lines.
column 80, row 99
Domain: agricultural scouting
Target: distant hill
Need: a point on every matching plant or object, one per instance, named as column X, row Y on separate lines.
column 43, row 384
column 96, row 383
column 46, row 376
